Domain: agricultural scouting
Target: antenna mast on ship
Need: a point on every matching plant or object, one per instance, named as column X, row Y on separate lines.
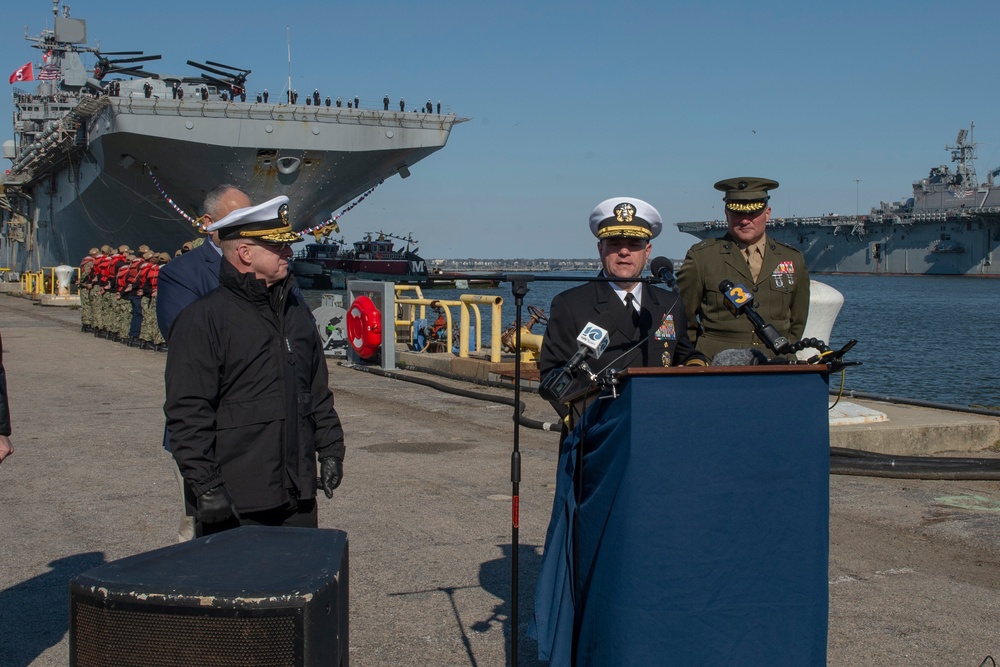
column 964, row 153
column 288, row 42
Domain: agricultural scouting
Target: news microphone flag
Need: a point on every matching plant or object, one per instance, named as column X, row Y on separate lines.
column 739, row 301
column 737, row 297
column 594, row 338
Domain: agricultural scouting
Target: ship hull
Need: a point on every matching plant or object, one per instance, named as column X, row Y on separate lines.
column 144, row 163
column 962, row 246
column 949, row 227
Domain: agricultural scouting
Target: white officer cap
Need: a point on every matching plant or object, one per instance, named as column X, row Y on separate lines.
column 625, row 216
column 267, row 222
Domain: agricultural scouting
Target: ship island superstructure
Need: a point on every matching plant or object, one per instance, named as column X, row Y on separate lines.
column 950, row 226
column 115, row 154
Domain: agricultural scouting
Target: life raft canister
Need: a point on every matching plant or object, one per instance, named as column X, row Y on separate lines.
column 364, row 327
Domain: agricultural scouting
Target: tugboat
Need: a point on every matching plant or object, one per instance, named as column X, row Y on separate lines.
column 328, row 264
column 114, row 154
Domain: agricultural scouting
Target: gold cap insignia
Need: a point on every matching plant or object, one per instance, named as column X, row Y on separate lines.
column 624, row 212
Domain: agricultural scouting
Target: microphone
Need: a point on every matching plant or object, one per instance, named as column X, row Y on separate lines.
column 593, row 340
column 738, row 301
column 663, row 268
column 743, row 356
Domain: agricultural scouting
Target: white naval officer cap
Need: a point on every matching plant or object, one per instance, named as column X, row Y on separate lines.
column 267, row 222
column 625, row 216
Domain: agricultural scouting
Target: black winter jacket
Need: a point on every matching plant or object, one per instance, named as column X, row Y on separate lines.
column 248, row 401
column 4, row 405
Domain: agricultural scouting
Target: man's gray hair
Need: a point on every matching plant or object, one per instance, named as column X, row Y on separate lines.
column 214, row 198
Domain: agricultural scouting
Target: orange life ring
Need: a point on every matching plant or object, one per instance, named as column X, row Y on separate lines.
column 364, row 327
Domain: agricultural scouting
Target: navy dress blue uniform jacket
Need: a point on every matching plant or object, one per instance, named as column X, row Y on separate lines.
column 184, row 280
column 659, row 339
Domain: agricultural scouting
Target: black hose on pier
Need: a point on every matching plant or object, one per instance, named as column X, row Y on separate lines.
column 850, row 393
column 843, row 461
column 524, row 421
column 871, row 464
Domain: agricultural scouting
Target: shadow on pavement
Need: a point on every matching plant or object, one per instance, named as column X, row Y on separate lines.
column 495, row 578
column 39, row 609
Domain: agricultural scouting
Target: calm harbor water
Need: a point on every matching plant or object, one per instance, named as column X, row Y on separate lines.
column 920, row 337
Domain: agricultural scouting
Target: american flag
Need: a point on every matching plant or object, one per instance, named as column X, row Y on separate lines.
column 49, row 73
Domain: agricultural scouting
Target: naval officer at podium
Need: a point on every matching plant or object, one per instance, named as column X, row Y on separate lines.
column 646, row 325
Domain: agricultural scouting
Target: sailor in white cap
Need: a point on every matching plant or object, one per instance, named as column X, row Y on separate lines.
column 624, row 226
column 256, row 239
column 250, row 412
column 646, row 324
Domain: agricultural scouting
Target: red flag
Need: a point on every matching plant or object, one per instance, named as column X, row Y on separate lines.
column 23, row 73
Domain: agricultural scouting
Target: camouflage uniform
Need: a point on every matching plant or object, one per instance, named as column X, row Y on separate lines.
column 84, row 290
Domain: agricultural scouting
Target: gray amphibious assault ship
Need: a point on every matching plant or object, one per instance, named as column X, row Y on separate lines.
column 950, row 226
column 115, row 154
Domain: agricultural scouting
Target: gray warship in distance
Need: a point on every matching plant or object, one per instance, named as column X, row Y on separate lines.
column 950, row 226
column 119, row 155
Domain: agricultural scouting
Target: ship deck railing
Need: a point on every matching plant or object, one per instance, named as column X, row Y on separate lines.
column 281, row 112
column 858, row 223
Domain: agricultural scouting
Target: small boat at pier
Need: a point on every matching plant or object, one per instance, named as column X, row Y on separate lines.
column 330, row 263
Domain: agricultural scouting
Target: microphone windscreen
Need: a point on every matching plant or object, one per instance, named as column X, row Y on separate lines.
column 659, row 264
column 745, row 356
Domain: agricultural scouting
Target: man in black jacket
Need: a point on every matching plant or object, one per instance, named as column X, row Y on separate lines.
column 186, row 279
column 248, row 405
column 6, row 449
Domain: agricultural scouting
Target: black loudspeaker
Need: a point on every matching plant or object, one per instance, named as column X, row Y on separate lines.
column 248, row 597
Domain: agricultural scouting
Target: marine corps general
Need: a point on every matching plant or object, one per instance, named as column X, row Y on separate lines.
column 773, row 272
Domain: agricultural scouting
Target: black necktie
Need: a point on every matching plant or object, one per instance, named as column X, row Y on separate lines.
column 633, row 314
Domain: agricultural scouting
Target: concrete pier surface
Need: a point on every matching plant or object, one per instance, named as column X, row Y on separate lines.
column 914, row 570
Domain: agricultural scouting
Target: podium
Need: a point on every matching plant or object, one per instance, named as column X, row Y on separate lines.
column 702, row 532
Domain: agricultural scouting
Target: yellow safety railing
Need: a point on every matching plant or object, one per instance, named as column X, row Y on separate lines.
column 44, row 281
column 407, row 311
column 496, row 305
column 33, row 282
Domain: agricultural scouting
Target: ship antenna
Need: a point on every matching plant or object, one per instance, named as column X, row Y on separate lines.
column 288, row 42
column 964, row 153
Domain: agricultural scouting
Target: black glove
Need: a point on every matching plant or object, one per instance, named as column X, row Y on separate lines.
column 216, row 506
column 331, row 471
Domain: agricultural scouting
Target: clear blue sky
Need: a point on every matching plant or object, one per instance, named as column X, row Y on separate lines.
column 574, row 102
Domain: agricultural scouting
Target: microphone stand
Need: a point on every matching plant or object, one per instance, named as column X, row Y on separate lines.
column 519, row 288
